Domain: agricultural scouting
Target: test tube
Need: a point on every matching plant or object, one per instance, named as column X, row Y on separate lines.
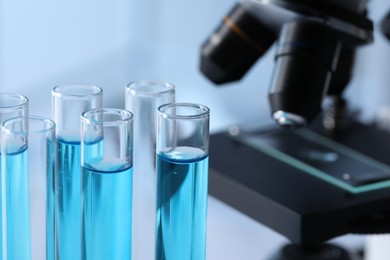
column 68, row 103
column 182, row 181
column 11, row 105
column 143, row 97
column 28, row 164
column 106, row 198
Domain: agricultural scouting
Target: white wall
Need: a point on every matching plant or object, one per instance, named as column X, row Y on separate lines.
column 110, row 43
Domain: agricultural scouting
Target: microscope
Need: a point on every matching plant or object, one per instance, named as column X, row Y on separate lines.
column 317, row 173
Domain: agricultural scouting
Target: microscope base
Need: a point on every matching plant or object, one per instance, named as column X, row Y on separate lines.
column 318, row 252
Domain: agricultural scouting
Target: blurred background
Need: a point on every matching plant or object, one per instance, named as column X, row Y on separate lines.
column 46, row 43
column 111, row 43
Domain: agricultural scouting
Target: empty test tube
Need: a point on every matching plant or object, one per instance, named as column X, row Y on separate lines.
column 143, row 97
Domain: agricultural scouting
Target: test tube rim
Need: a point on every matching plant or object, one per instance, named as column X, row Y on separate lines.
column 135, row 87
column 204, row 111
column 24, row 101
column 49, row 125
column 87, row 120
column 96, row 90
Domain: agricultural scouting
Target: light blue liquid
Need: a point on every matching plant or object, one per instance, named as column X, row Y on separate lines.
column 106, row 211
column 182, row 181
column 68, row 191
column 50, row 203
column 18, row 208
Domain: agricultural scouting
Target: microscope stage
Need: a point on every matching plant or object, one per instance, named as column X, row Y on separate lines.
column 306, row 185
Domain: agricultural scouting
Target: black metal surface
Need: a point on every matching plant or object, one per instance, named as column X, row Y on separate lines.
column 317, row 252
column 238, row 42
column 305, row 209
column 350, row 11
column 305, row 60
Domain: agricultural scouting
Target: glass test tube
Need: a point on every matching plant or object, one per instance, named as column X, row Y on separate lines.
column 68, row 103
column 11, row 105
column 28, row 157
column 143, row 97
column 182, row 181
column 106, row 199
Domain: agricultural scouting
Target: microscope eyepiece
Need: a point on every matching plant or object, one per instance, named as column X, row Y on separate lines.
column 234, row 47
column 306, row 56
